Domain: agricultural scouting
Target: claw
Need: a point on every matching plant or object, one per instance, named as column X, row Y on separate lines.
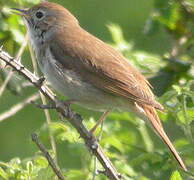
column 41, row 80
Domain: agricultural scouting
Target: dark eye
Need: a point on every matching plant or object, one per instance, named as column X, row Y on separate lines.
column 39, row 14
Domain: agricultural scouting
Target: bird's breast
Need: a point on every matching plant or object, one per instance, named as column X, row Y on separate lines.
column 65, row 81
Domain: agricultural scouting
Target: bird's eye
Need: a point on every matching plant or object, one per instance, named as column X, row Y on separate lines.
column 39, row 14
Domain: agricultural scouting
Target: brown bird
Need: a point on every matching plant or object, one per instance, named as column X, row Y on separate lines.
column 87, row 70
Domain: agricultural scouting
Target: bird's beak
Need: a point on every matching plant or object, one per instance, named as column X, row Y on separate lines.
column 21, row 12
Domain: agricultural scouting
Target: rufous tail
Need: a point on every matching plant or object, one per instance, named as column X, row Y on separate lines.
column 152, row 116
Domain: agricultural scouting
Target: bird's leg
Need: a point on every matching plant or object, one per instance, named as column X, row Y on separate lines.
column 102, row 118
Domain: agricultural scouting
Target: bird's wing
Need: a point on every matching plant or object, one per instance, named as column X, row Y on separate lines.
column 102, row 66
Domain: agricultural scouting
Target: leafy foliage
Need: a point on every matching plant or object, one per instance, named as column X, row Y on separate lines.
column 36, row 168
column 132, row 147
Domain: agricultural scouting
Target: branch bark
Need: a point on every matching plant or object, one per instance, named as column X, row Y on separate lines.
column 48, row 157
column 74, row 119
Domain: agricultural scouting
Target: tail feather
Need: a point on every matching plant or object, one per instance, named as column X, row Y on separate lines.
column 154, row 120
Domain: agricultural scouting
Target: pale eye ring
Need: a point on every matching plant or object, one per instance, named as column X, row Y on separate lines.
column 39, row 14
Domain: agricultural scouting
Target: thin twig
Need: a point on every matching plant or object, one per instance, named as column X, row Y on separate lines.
column 46, row 111
column 10, row 74
column 47, row 156
column 14, row 109
column 73, row 118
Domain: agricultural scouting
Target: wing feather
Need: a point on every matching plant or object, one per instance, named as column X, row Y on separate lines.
column 103, row 67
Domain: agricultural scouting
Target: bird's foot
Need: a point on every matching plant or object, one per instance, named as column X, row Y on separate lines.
column 41, row 80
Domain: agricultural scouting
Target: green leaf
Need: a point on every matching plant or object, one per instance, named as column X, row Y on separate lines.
column 41, row 161
column 3, row 174
column 117, row 36
column 115, row 142
column 190, row 112
column 177, row 89
column 125, row 168
column 15, row 163
column 55, row 127
column 186, row 118
column 29, row 167
column 175, row 176
column 76, row 174
column 63, row 132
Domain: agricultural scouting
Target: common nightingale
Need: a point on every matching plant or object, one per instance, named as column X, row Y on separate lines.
column 88, row 71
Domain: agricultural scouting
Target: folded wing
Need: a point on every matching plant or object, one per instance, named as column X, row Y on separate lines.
column 103, row 67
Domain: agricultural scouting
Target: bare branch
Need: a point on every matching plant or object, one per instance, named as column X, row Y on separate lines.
column 14, row 109
column 72, row 117
column 47, row 156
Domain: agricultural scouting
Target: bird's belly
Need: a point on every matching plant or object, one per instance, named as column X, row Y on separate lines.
column 70, row 85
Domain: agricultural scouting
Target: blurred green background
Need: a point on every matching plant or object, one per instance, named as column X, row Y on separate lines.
column 157, row 37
